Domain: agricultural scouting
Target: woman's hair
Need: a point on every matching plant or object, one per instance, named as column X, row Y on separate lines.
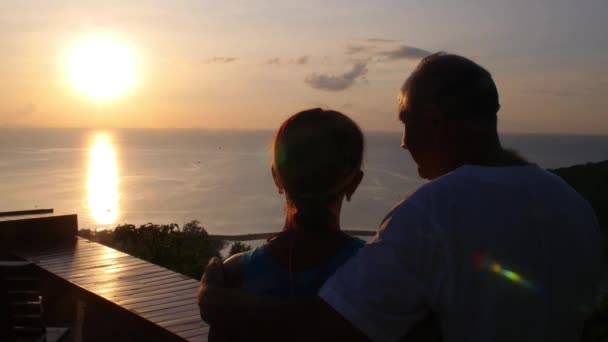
column 316, row 154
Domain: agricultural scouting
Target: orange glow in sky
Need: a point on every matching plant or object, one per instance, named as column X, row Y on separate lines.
column 244, row 65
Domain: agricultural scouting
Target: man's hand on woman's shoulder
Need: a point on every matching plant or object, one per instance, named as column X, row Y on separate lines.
column 213, row 277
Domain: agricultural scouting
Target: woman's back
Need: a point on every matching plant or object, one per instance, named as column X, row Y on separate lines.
column 272, row 270
column 291, row 263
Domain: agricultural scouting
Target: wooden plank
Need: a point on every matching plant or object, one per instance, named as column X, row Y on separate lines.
column 155, row 307
column 147, row 292
column 77, row 264
column 74, row 256
column 176, row 329
column 96, row 271
column 89, row 261
column 106, row 278
column 74, row 260
column 134, row 275
column 155, row 317
column 172, row 298
column 200, row 338
column 118, row 285
column 170, row 311
column 128, row 266
column 80, row 244
column 140, row 273
column 137, row 300
column 137, row 291
column 80, row 252
column 107, row 271
column 93, row 274
column 59, row 270
column 188, row 334
column 158, row 297
column 186, row 319
column 84, row 280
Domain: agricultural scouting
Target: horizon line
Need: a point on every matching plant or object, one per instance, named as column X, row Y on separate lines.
column 242, row 129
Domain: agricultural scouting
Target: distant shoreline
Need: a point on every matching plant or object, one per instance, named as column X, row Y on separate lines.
column 264, row 236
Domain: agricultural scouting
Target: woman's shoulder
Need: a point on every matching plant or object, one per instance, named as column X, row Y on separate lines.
column 348, row 242
column 347, row 250
column 357, row 243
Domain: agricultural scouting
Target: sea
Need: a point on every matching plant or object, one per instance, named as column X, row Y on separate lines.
column 221, row 178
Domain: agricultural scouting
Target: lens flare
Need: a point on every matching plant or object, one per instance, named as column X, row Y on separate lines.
column 482, row 262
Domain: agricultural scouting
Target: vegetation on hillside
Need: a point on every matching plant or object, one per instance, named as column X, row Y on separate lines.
column 238, row 247
column 591, row 181
column 186, row 250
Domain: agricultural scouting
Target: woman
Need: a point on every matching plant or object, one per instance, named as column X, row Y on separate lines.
column 317, row 157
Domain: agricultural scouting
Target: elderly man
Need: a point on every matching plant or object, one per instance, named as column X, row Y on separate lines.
column 493, row 246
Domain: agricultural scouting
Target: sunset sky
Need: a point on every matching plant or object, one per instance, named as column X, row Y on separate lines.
column 249, row 64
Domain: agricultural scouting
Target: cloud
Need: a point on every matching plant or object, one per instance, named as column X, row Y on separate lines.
column 354, row 49
column 405, row 52
column 273, row 61
column 220, row 60
column 337, row 83
column 302, row 60
column 380, row 40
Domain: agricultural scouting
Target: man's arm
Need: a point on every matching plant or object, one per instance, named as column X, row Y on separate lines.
column 270, row 318
column 230, row 274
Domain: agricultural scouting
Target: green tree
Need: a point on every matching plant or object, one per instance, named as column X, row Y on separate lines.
column 238, row 247
column 186, row 250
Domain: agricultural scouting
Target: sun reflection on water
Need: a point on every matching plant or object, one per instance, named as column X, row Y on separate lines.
column 102, row 181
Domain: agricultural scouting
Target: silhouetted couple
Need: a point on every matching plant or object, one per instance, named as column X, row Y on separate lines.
column 493, row 248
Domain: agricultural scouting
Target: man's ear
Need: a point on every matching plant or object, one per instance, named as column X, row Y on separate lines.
column 277, row 180
column 353, row 185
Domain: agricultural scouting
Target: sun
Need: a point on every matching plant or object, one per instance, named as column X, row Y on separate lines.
column 101, row 67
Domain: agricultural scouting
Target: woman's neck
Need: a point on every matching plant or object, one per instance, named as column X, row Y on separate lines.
column 331, row 225
column 332, row 222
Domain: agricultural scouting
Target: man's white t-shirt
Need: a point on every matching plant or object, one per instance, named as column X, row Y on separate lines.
column 500, row 253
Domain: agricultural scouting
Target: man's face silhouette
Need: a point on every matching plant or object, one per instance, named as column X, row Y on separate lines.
column 422, row 136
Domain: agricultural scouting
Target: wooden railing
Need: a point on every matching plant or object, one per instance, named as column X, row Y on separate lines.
column 102, row 293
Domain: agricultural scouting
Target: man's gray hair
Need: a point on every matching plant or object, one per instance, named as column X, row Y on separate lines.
column 459, row 87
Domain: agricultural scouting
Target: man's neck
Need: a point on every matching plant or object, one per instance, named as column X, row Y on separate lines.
column 494, row 155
